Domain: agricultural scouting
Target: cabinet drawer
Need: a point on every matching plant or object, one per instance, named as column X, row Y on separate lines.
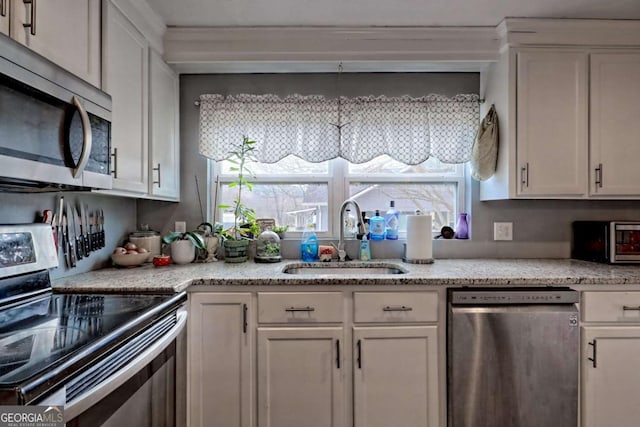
column 611, row 306
column 300, row 307
column 395, row 306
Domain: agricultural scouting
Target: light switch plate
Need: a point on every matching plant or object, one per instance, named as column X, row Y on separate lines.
column 502, row 231
column 181, row 226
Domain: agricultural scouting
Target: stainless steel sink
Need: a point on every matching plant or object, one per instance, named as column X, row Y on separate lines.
column 344, row 269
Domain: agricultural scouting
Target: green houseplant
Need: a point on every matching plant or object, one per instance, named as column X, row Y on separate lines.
column 237, row 238
column 184, row 245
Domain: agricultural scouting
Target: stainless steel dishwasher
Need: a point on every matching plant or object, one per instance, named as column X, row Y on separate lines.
column 512, row 357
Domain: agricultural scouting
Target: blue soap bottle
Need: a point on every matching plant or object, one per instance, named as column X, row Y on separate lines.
column 376, row 227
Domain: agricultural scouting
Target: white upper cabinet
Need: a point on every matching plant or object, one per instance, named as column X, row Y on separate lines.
column 164, row 179
column 66, row 32
column 551, row 123
column 615, row 124
column 567, row 97
column 5, row 10
column 125, row 78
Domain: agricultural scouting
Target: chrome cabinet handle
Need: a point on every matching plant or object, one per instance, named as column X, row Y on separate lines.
column 3, row 7
column 31, row 25
column 87, row 140
column 524, row 175
column 293, row 309
column 599, row 175
column 158, row 181
column 630, row 308
column 114, row 171
column 594, row 344
column 401, row 308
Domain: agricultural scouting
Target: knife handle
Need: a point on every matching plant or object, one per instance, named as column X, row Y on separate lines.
column 72, row 253
column 78, row 248
column 87, row 249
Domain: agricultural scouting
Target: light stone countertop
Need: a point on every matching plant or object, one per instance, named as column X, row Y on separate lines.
column 447, row 272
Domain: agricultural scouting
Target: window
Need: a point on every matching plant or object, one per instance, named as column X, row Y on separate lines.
column 299, row 194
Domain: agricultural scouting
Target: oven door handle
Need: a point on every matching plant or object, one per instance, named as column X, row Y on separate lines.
column 87, row 400
column 87, row 140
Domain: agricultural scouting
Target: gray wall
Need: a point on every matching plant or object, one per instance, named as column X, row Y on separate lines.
column 120, row 216
column 541, row 228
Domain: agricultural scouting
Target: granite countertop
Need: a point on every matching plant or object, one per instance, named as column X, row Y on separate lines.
column 464, row 272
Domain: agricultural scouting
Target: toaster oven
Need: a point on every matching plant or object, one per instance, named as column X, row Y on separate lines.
column 614, row 242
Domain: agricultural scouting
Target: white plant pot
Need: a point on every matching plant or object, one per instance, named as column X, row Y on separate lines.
column 182, row 251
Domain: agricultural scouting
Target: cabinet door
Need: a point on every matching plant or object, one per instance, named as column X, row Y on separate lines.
column 5, row 10
column 125, row 59
column 164, row 178
column 615, row 124
column 300, row 380
column 611, row 382
column 392, row 359
column 220, row 360
column 66, row 31
column 551, row 127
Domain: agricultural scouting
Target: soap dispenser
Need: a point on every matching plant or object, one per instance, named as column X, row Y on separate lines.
column 376, row 227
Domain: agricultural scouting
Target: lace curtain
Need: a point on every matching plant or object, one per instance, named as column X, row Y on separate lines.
column 314, row 128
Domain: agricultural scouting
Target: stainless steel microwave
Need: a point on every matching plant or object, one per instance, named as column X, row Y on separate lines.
column 614, row 242
column 55, row 128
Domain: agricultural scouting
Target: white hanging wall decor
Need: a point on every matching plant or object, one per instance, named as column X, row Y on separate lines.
column 315, row 128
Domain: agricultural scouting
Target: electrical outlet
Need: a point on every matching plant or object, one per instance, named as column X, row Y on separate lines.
column 180, row 226
column 502, row 231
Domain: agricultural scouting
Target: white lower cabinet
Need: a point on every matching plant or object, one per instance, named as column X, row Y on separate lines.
column 395, row 378
column 306, row 374
column 611, row 376
column 300, row 380
column 610, row 362
column 220, row 355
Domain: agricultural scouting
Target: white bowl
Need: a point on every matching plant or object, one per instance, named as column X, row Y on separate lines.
column 129, row 260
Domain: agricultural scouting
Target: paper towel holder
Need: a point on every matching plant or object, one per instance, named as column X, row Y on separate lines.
column 414, row 261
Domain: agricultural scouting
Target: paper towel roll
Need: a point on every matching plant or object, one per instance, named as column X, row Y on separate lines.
column 419, row 238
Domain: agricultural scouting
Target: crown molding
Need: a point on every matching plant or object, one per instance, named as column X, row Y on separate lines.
column 224, row 49
column 592, row 33
column 146, row 20
column 184, row 45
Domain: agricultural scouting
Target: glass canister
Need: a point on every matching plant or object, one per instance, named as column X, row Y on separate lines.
column 148, row 239
column 268, row 247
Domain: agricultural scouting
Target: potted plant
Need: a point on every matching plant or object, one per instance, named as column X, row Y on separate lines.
column 280, row 230
column 212, row 237
column 184, row 245
column 237, row 238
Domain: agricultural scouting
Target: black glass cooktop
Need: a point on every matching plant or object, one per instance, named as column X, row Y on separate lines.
column 40, row 334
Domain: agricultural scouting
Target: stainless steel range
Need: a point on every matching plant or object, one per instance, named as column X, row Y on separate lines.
column 90, row 353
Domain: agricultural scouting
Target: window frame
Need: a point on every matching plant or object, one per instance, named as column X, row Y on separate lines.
column 338, row 179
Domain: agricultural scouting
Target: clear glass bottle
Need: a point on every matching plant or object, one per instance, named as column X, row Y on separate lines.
column 462, row 227
column 268, row 247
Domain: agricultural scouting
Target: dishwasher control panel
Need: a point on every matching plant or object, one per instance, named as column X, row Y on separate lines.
column 491, row 296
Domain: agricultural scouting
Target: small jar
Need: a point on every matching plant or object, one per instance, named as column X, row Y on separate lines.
column 268, row 247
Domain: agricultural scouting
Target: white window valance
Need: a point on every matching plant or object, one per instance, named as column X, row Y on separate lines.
column 315, row 128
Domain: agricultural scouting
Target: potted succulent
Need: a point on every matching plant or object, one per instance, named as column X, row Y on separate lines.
column 184, row 245
column 245, row 228
column 280, row 230
column 212, row 238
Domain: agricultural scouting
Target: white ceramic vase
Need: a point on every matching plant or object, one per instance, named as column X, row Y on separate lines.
column 182, row 251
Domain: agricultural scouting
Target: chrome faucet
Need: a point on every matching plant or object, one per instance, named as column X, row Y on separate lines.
column 341, row 251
